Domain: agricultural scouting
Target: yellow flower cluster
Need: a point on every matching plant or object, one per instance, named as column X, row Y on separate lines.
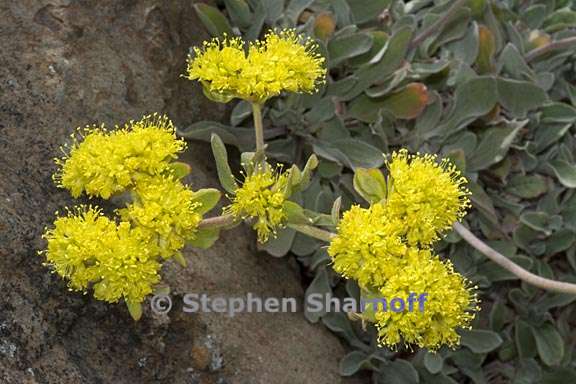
column 163, row 209
column 107, row 162
column 368, row 247
column 122, row 260
column 386, row 248
column 450, row 303
column 261, row 198
column 283, row 61
column 89, row 249
column 426, row 195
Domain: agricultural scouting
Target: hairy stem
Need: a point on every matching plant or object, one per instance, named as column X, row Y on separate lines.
column 312, row 231
column 216, row 222
column 559, row 44
column 509, row 265
column 419, row 39
column 258, row 129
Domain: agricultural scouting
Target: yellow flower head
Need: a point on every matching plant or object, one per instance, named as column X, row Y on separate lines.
column 89, row 249
column 164, row 211
column 282, row 61
column 218, row 65
column 368, row 246
column 105, row 162
column 425, row 195
column 450, row 303
column 261, row 198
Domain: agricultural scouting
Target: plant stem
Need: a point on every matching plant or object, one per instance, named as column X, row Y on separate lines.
column 258, row 128
column 216, row 222
column 419, row 39
column 559, row 44
column 312, row 231
column 509, row 265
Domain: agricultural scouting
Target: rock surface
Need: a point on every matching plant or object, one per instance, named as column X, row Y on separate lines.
column 71, row 63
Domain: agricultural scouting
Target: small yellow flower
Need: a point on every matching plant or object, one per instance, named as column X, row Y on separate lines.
column 105, row 162
column 164, row 211
column 427, row 196
column 261, row 198
column 91, row 250
column 283, row 61
column 450, row 303
column 368, row 246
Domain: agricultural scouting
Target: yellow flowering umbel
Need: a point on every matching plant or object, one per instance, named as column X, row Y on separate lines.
column 90, row 250
column 107, row 162
column 386, row 248
column 368, row 247
column 282, row 61
column 261, row 198
column 450, row 304
column 164, row 211
column 427, row 196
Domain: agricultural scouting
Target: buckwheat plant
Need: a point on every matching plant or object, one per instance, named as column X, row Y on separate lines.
column 386, row 247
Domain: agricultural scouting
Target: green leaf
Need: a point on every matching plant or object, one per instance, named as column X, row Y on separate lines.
column 338, row 322
column 295, row 213
column 565, row 172
column 480, row 340
column 295, row 8
column 366, row 10
column 311, row 164
column 135, row 310
column 239, row 12
column 527, row 187
column 433, row 361
column 562, row 375
column 242, row 138
column 473, row 98
column 559, row 20
column 384, row 62
column 241, row 111
column 407, row 103
column 538, row 221
column 223, row 168
column 180, row 259
column 493, row 146
column 352, row 363
column 524, row 339
column 560, row 241
column 487, row 45
column 320, row 287
column 207, row 197
column 204, row 238
column 180, row 169
column 549, row 343
column 280, row 245
column 519, row 97
column 352, row 153
column 370, row 184
column 514, row 63
column 214, row 21
column 558, row 113
column 548, row 134
column 345, row 47
column 398, row 372
column 335, row 211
